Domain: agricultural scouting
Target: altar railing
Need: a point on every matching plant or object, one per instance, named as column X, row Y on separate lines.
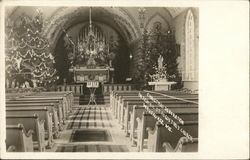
column 107, row 88
column 75, row 88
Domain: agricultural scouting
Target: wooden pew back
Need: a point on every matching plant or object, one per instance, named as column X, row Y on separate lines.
column 43, row 114
column 52, row 107
column 160, row 135
column 148, row 121
column 17, row 136
column 30, row 123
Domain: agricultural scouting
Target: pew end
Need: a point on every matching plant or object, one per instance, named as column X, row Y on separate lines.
column 17, row 136
column 11, row 148
column 187, row 145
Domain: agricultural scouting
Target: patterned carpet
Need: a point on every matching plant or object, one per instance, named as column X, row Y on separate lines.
column 89, row 135
column 90, row 116
column 92, row 148
column 90, row 129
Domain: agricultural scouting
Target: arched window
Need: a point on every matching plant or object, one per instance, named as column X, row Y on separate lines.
column 189, row 50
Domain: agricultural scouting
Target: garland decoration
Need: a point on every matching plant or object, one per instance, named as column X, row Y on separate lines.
column 28, row 55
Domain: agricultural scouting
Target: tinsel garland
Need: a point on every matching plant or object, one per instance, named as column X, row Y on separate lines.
column 27, row 52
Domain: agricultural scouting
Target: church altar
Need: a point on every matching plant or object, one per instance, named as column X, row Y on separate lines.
column 159, row 79
column 98, row 74
column 161, row 85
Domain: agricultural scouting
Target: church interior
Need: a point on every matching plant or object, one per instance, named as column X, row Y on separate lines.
column 101, row 79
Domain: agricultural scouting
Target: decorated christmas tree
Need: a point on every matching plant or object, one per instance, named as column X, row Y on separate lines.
column 28, row 56
column 160, row 44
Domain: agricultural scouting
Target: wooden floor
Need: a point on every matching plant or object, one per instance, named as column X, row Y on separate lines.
column 97, row 119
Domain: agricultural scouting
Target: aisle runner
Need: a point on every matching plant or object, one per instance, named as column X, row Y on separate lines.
column 88, row 117
column 88, row 135
column 92, row 148
column 91, row 124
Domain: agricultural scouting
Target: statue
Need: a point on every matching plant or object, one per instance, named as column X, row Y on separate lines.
column 160, row 62
column 34, row 81
column 18, row 62
column 27, row 85
column 13, row 84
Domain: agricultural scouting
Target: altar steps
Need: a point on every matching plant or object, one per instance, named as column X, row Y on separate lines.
column 84, row 99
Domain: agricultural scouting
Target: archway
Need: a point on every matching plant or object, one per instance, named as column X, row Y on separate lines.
column 122, row 35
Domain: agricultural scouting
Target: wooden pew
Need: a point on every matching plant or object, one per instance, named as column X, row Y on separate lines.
column 159, row 135
column 116, row 94
column 66, row 98
column 62, row 99
column 17, row 137
column 14, row 95
column 121, row 103
column 138, row 110
column 43, row 114
column 56, row 123
column 11, row 148
column 67, row 93
column 122, row 106
column 122, row 109
column 30, row 123
column 148, row 121
column 130, row 115
column 184, row 145
column 61, row 115
column 121, row 97
column 170, row 92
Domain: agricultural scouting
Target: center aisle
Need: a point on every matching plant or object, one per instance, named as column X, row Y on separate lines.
column 92, row 129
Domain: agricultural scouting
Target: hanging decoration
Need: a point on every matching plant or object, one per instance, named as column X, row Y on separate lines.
column 28, row 56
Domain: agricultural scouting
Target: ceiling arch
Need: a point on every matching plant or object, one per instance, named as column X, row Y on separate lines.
column 157, row 14
column 66, row 17
column 124, row 20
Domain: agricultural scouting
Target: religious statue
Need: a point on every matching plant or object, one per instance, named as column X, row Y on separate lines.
column 27, row 85
column 91, row 61
column 13, row 84
column 34, row 83
column 18, row 62
column 160, row 62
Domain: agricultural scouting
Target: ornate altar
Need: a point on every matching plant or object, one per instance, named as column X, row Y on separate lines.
column 97, row 74
column 91, row 60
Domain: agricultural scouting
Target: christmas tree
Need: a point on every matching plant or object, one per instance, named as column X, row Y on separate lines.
column 28, row 56
column 154, row 45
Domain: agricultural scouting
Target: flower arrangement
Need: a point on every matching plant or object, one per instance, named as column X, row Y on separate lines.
column 160, row 74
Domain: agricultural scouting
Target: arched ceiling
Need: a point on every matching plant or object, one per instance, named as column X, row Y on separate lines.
column 175, row 11
column 124, row 20
column 65, row 17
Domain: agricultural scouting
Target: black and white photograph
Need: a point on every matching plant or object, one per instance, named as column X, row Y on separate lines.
column 103, row 78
